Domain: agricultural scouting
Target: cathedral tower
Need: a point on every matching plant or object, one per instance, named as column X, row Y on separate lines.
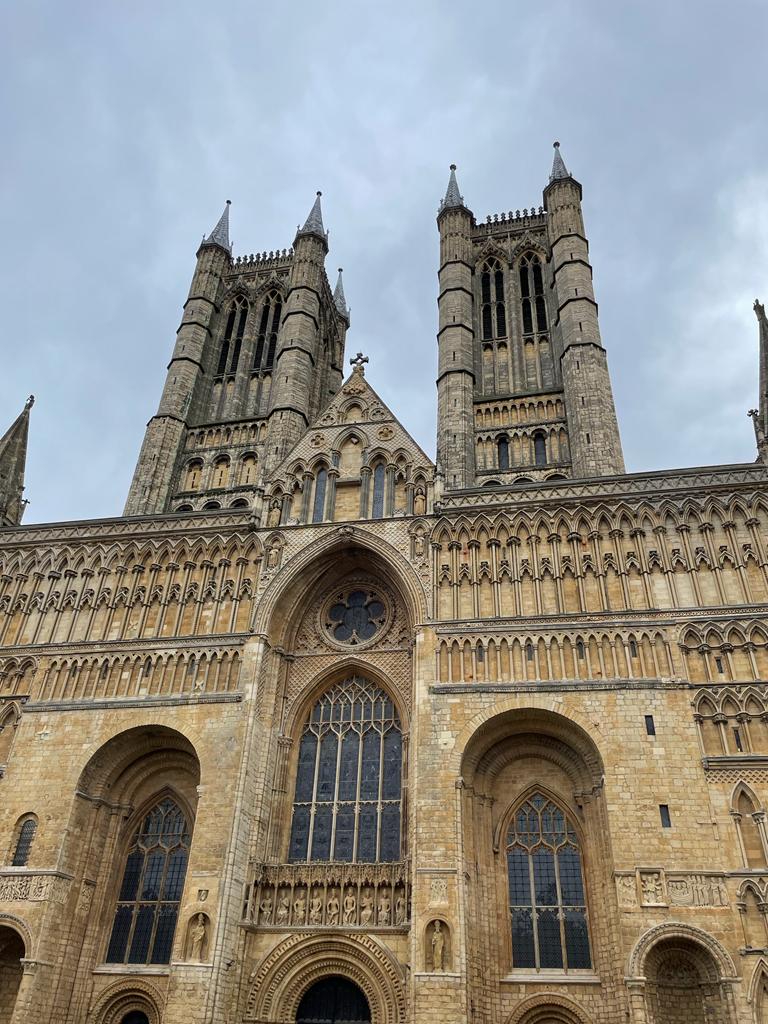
column 13, row 458
column 259, row 352
column 523, row 387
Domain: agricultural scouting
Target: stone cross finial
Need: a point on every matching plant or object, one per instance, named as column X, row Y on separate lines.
column 29, row 403
column 759, row 309
column 358, row 362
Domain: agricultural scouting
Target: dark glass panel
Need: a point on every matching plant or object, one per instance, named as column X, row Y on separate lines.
column 378, row 491
column 318, row 509
column 519, row 877
column 393, row 746
column 541, row 314
column 501, row 320
column 503, row 447
column 571, row 884
column 550, row 945
column 326, row 771
column 305, row 775
column 390, row 832
column 344, row 845
column 487, row 322
column 485, row 287
column 174, row 874
column 577, row 940
column 130, row 885
column 538, row 286
column 524, row 286
column 366, row 845
column 166, row 926
column 299, row 843
column 153, row 874
column 527, row 317
column 523, row 949
column 540, row 450
column 321, row 834
column 121, row 928
column 544, row 877
column 142, row 933
column 369, row 776
column 499, row 278
column 350, row 748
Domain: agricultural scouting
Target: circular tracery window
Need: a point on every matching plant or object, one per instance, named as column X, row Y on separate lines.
column 354, row 617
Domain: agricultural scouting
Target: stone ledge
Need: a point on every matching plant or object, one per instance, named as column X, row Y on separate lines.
column 133, row 702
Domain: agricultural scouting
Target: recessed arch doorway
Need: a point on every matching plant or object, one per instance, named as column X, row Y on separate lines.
column 12, row 952
column 333, row 1000
column 135, row 1017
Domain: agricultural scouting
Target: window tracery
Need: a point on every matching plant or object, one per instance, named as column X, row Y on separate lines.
column 348, row 800
column 355, row 617
column 547, row 899
column 492, row 303
column 269, row 325
column 532, row 294
column 229, row 353
column 150, row 891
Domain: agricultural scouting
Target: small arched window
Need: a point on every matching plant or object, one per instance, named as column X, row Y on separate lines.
column 532, row 294
column 321, row 484
column 193, row 475
column 151, row 888
column 229, row 354
column 211, row 506
column 379, row 475
column 221, row 472
column 502, row 449
column 269, row 325
column 25, row 835
column 248, row 469
column 347, row 802
column 547, row 900
column 492, row 309
column 540, row 449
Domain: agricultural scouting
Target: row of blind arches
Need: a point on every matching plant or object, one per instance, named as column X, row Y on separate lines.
column 533, row 309
column 234, row 331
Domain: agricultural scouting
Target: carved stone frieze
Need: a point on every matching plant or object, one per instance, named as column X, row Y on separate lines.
column 34, row 888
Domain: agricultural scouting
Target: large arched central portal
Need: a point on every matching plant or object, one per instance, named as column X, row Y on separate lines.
column 333, row 1000
column 11, row 968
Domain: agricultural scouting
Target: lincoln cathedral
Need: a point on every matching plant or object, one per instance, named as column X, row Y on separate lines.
column 323, row 730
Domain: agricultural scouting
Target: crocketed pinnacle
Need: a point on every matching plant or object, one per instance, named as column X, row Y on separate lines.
column 13, row 458
column 559, row 170
column 220, row 234
column 759, row 309
column 313, row 225
column 452, row 195
column 339, row 298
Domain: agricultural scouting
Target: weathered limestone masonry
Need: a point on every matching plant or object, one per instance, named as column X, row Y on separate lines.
column 321, row 730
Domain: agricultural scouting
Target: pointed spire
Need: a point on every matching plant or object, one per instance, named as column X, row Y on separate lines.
column 220, row 234
column 559, row 170
column 339, row 298
column 452, row 195
column 313, row 225
column 761, row 419
column 13, row 457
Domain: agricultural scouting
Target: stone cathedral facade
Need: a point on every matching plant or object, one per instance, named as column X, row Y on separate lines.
column 321, row 730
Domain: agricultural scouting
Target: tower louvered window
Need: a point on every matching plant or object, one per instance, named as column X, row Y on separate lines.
column 493, row 314
column 229, row 354
column 348, row 797
column 547, row 901
column 269, row 325
column 534, row 307
column 150, row 892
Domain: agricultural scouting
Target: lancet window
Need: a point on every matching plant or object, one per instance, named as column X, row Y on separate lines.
column 229, row 354
column 547, row 901
column 379, row 479
column 318, row 505
column 540, row 449
column 534, row 308
column 150, row 891
column 502, row 449
column 493, row 314
column 25, row 837
column 348, row 799
column 269, row 325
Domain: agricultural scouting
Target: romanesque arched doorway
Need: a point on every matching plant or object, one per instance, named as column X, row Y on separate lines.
column 135, row 1017
column 333, row 1000
column 11, row 968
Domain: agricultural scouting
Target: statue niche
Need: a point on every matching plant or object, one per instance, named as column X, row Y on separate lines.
column 198, row 931
column 437, row 946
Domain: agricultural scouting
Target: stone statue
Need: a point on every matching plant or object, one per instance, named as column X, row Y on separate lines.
column 419, row 502
column 266, row 909
column 400, row 910
column 273, row 518
column 350, row 908
column 197, row 938
column 283, row 910
column 366, row 909
column 315, row 909
column 385, row 907
column 333, row 909
column 438, row 946
column 299, row 910
column 273, row 556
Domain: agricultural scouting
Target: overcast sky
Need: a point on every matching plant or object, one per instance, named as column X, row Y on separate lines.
column 124, row 128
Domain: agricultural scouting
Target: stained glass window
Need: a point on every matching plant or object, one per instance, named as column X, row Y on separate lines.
column 348, row 799
column 377, row 510
column 24, row 843
column 148, row 900
column 547, row 903
column 355, row 617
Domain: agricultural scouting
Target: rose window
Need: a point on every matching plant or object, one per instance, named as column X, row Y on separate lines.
column 355, row 617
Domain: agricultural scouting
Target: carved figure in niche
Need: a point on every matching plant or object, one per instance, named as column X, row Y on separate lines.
column 385, row 907
column 266, row 909
column 273, row 519
column 419, row 546
column 419, row 502
column 334, row 909
column 400, row 910
column 651, row 886
column 316, row 908
column 438, row 946
column 350, row 908
column 366, row 908
column 273, row 556
column 197, row 938
column 283, row 910
column 438, row 890
column 299, row 910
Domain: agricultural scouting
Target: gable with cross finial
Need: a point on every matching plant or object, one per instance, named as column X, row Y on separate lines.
column 358, row 362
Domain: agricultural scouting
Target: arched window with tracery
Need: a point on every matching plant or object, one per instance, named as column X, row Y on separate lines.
column 493, row 314
column 547, row 901
column 750, row 826
column 348, row 797
column 25, row 835
column 534, row 308
column 269, row 325
column 318, row 505
column 379, row 477
column 150, row 891
column 232, row 342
